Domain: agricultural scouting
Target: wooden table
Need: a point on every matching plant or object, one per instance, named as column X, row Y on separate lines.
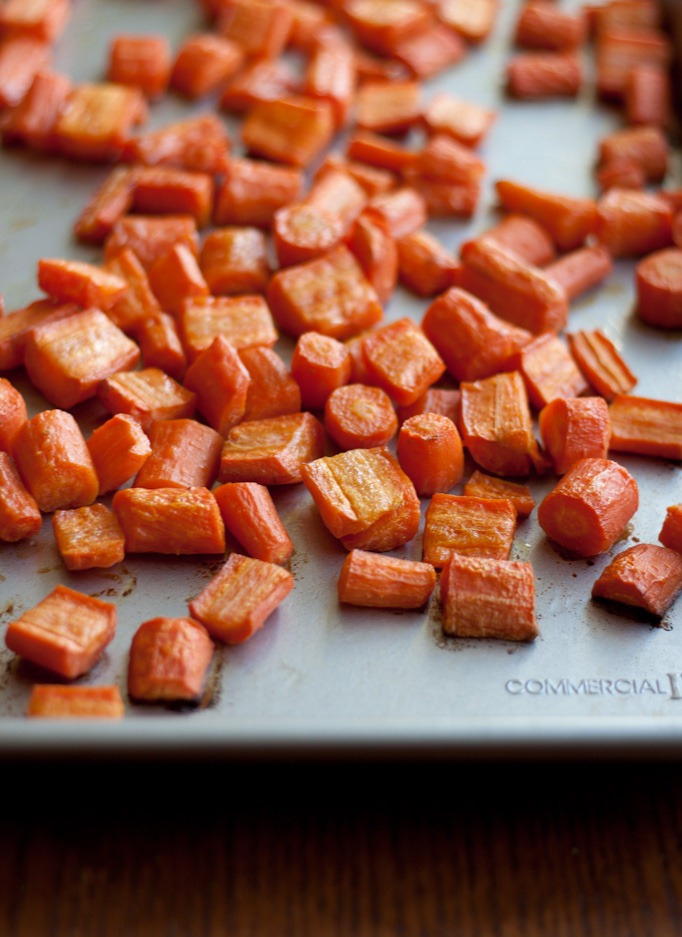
column 311, row 850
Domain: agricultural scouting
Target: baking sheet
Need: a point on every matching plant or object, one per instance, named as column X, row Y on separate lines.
column 320, row 678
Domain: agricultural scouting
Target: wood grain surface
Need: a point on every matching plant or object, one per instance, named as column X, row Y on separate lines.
column 320, row 850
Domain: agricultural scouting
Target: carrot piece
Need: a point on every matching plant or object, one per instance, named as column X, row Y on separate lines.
column 65, row 633
column 250, row 515
column 464, row 121
column 164, row 190
column 220, row 382
column 243, row 321
column 43, row 19
column 331, row 76
column 631, row 223
column 540, row 75
column 364, row 498
column 67, row 358
column 160, row 345
column 302, row 232
column 428, row 52
column 430, row 453
column 472, row 19
column 646, row 427
column 658, row 281
column 118, row 449
column 646, row 575
column 292, row 130
column 589, row 509
column 272, row 451
column 620, row 174
column 359, row 416
column 581, row 270
column 337, row 192
column 89, row 537
column 204, row 63
column 515, row 290
column 648, row 95
column 379, row 152
column 78, row 282
column 401, row 360
column 601, row 363
column 525, row 236
column 261, row 29
column 139, row 302
column 371, row 179
column 235, row 260
column 548, row 370
column 272, row 390
column 199, row 144
column 184, row 454
column 13, row 414
column 442, row 400
column 445, row 160
column 485, row 486
column 625, row 13
column 320, row 364
column 240, row 597
column 54, row 461
column 16, row 325
column 374, row 580
column 97, row 119
column 151, row 236
column 175, row 277
column 259, row 81
column 32, row 120
column 147, row 395
column 141, row 61
column 308, row 22
column 21, row 59
column 467, row 526
column 379, row 26
column 178, row 521
column 540, row 26
column 400, row 212
column 252, row 191
column 359, row 373
column 671, row 531
column 20, row 517
column 424, row 265
column 390, row 107
column 169, row 660
column 59, row 701
column 645, row 146
column 488, row 598
column 620, row 49
column 473, row 341
column 568, row 219
column 377, row 253
column 496, row 424
column 112, row 200
column 574, row 429
column 444, row 199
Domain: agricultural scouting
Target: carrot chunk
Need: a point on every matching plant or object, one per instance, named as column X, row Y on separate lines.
column 364, row 498
column 261, row 29
column 647, row 147
column 548, row 370
column 376, row 251
column 96, row 121
column 199, row 144
column 16, row 325
column 525, row 236
column 648, row 95
column 540, row 26
column 645, row 575
column 65, row 633
column 272, row 391
column 89, row 537
column 532, row 76
column 331, row 76
column 220, row 382
column 250, row 515
column 151, row 236
column 234, row 260
column 118, row 449
column 147, row 395
column 488, row 598
column 645, row 426
column 31, row 121
column 169, row 660
column 468, row 526
column 430, row 453
column 379, row 152
column 112, row 200
column 271, row 451
column 589, row 509
column 59, row 701
column 164, row 190
column 389, row 107
column 374, row 580
column 481, row 485
column 185, row 454
column 320, row 364
column 472, row 19
column 243, row 321
column 581, row 269
column 631, row 223
column 160, row 345
column 78, row 282
column 138, row 302
column 622, row 48
column 178, row 521
column 671, row 531
column 379, row 26
column 424, row 265
column 252, row 191
column 13, row 414
column 360, row 416
column 568, row 219
column 658, row 281
column 443, row 400
column 574, row 429
column 402, row 360
column 302, row 232
column 176, row 277
column 466, row 122
column 428, row 52
column 371, row 179
column 601, row 363
column 401, row 211
column 292, row 130
column 258, row 81
column 21, row 59
column 204, row 63
column 20, row 517
column 141, row 61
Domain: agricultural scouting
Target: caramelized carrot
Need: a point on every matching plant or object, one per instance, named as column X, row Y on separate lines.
column 141, row 61
column 74, row 281
column 533, row 76
column 645, row 575
column 198, row 143
column 358, row 416
column 472, row 19
column 13, row 414
column 375, row 580
column 401, row 211
column 568, row 219
column 302, row 232
column 481, row 485
column 620, row 174
column 89, row 537
column 271, row 451
column 176, row 521
column 525, row 236
column 60, row 701
column 443, row 400
column 658, row 281
column 646, row 427
column 111, row 201
column 31, row 121
column 118, row 449
column 151, row 236
column 147, row 395
column 402, row 360
column 292, row 130
column 466, row 122
column 43, row 19
column 648, row 95
column 548, row 370
column 20, row 517
column 424, row 265
column 379, row 28
column 244, row 321
column 647, row 147
column 272, row 390
column 331, row 76
column 250, row 515
column 234, row 260
column 96, row 121
column 21, row 59
column 160, row 345
column 468, row 526
column 185, row 454
column 169, row 660
column 377, row 254
column 371, row 179
column 541, row 26
column 164, row 190
column 429, row 52
column 337, row 192
column 252, row 191
column 320, row 364
column 601, row 363
column 204, row 64
column 581, row 269
column 259, row 81
column 261, row 29
column 574, row 429
column 430, row 453
column 138, row 302
column 379, row 152
column 175, row 277
column 631, row 223
column 620, row 49
column 220, row 381
column 389, row 107
column 671, row 531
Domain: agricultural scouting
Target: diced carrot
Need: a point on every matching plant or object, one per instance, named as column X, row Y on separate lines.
column 589, row 509
column 496, row 424
column 259, row 81
column 631, row 223
column 360, row 416
column 540, row 75
column 302, row 232
column 331, row 76
column 175, row 277
column 118, row 449
column 198, row 143
column 185, row 454
column 567, row 218
column 645, row 575
column 54, row 461
column 658, row 281
column 32, row 120
column 261, row 29
column 549, row 371
column 13, row 414
column 320, row 364
column 424, row 265
column 401, row 359
column 488, row 598
column 139, row 302
column 379, row 152
column 292, row 130
column 601, row 363
column 96, row 121
column 542, row 26
column 66, row 632
column 620, row 174
column 240, row 597
column 89, row 537
column 580, row 270
column 308, row 21
column 428, row 52
column 252, row 191
column 43, row 19
column 141, row 61
column 481, row 485
column 466, row 122
column 646, row 146
column 468, row 526
column 401, row 211
column 372, row 179
column 671, row 531
column 445, row 160
column 220, row 382
column 375, row 580
column 67, row 358
column 160, row 345
column 164, row 190
column 472, row 19
column 430, row 453
column 379, row 26
column 20, row 516
column 250, row 515
column 234, row 260
column 444, row 199
column 66, row 701
column 178, row 521
column 626, row 13
column 21, row 58
column 646, row 427
column 359, row 374
column 16, row 325
column 74, row 281
column 147, row 395
column 364, row 498
column 443, row 400
column 243, row 321
column 573, row 429
column 377, row 253
column 648, row 95
column 525, row 236
column 337, row 192
column 169, row 660
column 112, row 200
column 151, row 236
column 204, row 63
column 620, row 49
column 272, row 390
column 390, row 107
column 271, row 451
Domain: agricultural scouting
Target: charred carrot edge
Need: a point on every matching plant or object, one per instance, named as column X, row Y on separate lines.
column 118, row 449
column 671, row 531
column 360, row 416
column 573, row 429
column 645, row 426
column 176, row 521
column 57, row 701
column 466, row 525
column 169, row 660
column 645, row 575
column 20, row 516
column 88, row 537
column 601, row 363
column 374, row 580
column 480, row 485
column 658, row 281
column 250, row 515
column 430, row 452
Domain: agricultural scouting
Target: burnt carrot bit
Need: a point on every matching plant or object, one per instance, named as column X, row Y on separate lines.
column 377, row 253
column 97, row 120
column 568, row 219
column 199, row 144
column 204, row 63
column 252, row 191
column 337, row 192
column 235, row 260
column 258, row 81
column 480, row 485
column 473, row 341
column 89, row 537
column 67, row 358
column 66, row 632
column 176, row 277
column 468, row 526
column 21, row 59
column 424, row 265
column 390, row 107
column 177, row 521
column 631, row 223
column 540, row 26
column 244, row 321
column 646, row 146
column 169, row 660
column 443, row 400
column 147, row 395
column 220, row 382
column 271, row 451
column 429, row 52
column 302, row 232
column 118, row 449
column 646, row 427
column 164, row 190
column 74, row 281
column 573, row 429
column 31, row 121
column 379, row 152
column 138, row 303
column 589, row 509
column 13, row 414
column 250, row 515
column 488, row 598
column 645, row 575
column 549, row 370
column 658, row 282
column 580, row 270
column 331, row 76
column 525, row 236
column 464, row 121
column 20, row 517
column 292, row 130
column 601, row 363
column 401, row 360
column 160, row 345
column 401, row 211
column 64, row 701
column 151, row 236
column 648, row 95
column 272, row 390
column 364, row 498
column 379, row 26
column 320, row 364
column 671, row 531
column 359, row 416
column 430, row 453
column 375, row 580
column 54, row 461
column 185, row 454
column 472, row 19
column 141, row 61
column 261, row 29
column 240, row 598
column 112, row 200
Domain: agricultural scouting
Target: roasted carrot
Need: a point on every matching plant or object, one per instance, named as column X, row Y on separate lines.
column 568, row 219
column 271, row 451
column 389, row 107
column 160, row 345
column 379, row 152
column 204, row 63
column 645, row 146
column 118, row 449
column 302, row 232
column 671, row 531
column 319, row 365
column 147, row 395
column 252, row 191
column 589, row 509
column 220, row 382
column 175, row 277
column 375, row 580
column 250, row 515
column 533, row 76
column 620, row 174
column 88, row 537
column 465, row 121
column 400, row 211
column 272, row 390
column 169, row 660
column 261, row 29
column 443, row 159
column 258, row 81
column 151, row 236
column 472, row 19
column 548, row 370
column 74, row 281
column 377, row 253
column 96, row 121
column 185, row 454
column 244, row 321
column 645, row 575
column 573, row 429
column 430, row 453
column 646, row 427
column 13, row 414
column 371, row 179
column 66, row 701
column 428, row 52
column 525, row 236
column 31, row 121
column 336, row 191
column 164, row 190
column 138, row 302
column 542, row 26
column 43, row 19
column 425, row 266
column 468, row 526
column 331, row 75
column 631, row 223
column 234, row 260
column 648, row 95
column 401, row 360
column 601, row 363
column 442, row 400
column 21, row 59
column 379, row 28
column 111, row 201
column 292, row 130
column 198, row 143
column 66, row 632
column 141, row 61
column 658, row 282
column 177, row 521
column 620, row 49
column 20, row 516
column 580, row 270
column 359, row 416
column 480, row 485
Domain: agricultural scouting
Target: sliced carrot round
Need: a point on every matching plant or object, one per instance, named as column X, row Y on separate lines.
column 659, row 288
column 358, row 416
column 430, row 452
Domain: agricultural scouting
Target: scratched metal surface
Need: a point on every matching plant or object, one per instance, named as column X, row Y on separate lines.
column 319, row 678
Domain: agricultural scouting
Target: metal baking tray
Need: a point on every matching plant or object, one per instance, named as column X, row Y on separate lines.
column 322, row 679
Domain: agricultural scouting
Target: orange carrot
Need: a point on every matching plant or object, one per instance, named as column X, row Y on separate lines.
column 424, row 264
column 111, row 201
column 21, row 59
column 402, row 360
column 160, row 345
column 645, row 146
column 648, row 95
column 177, row 521
column 387, row 106
column 13, row 414
column 589, row 509
column 331, row 76
column 151, row 236
column 359, row 416
column 250, row 515
column 292, row 130
column 20, row 517
column 141, row 61
column 43, row 19
column 319, row 365
column 379, row 28
column 66, row 632
column 573, row 429
column 620, row 49
column 73, row 281
column 252, row 191
column 272, row 390
column 259, row 28
column 620, row 174
column 59, row 701
column 671, row 531
column 466, row 122
column 631, row 223
column 645, row 575
column 198, row 143
column 645, row 426
column 185, row 454
column 204, row 64
column 271, row 451
column 376, row 252
column 401, row 211
column 468, row 526
column 147, row 395
column 169, row 660
column 164, row 190
column 428, row 52
column 220, row 381
column 540, row 75
column 481, row 485
column 442, row 400
column 374, row 580
column 88, row 537
column 601, row 363
column 139, row 302
column 302, row 232
column 540, row 26
column 96, row 121
column 430, row 453
column 581, row 269
column 568, row 219
column 548, row 370
column 118, row 449
column 175, row 277
column 234, row 260
column 525, row 236
column 379, row 152
column 336, row 191
column 472, row 19
column 259, row 81
column 31, row 122
column 244, row 321
column 658, row 281
column 371, row 179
